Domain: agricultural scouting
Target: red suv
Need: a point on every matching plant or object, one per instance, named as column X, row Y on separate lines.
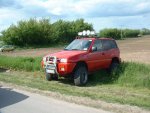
column 81, row 57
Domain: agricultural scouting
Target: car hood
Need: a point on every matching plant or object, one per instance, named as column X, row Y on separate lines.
column 67, row 54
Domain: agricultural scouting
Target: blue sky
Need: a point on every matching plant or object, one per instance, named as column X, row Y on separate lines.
column 101, row 13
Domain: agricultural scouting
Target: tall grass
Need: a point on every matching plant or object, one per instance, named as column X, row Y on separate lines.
column 21, row 63
column 133, row 75
column 128, row 73
column 129, row 84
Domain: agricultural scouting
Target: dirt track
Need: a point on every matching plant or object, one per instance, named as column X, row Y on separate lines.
column 135, row 49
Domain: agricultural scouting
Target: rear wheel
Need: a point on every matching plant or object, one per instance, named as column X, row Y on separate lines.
column 114, row 65
column 80, row 76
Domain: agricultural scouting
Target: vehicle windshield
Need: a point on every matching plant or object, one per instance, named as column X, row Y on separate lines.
column 79, row 44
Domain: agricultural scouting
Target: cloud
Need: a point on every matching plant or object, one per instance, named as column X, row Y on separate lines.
column 6, row 3
column 10, row 3
column 106, row 11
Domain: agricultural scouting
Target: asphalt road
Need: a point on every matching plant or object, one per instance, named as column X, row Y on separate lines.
column 18, row 101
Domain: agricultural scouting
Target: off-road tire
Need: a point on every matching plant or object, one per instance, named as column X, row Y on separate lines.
column 54, row 77
column 113, row 66
column 80, row 76
column 48, row 76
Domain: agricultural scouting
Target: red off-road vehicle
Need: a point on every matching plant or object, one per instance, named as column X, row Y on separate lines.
column 81, row 57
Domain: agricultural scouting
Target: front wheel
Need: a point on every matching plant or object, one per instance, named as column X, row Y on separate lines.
column 80, row 76
column 48, row 77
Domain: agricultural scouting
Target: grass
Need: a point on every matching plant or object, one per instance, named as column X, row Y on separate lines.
column 129, row 84
column 110, row 92
column 21, row 63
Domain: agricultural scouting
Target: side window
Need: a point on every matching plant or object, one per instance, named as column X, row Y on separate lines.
column 108, row 44
column 98, row 44
column 113, row 44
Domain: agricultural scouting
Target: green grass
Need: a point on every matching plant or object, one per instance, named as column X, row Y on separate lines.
column 129, row 84
column 95, row 89
column 21, row 63
column 129, row 74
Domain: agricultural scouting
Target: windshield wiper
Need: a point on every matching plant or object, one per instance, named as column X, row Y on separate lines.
column 75, row 49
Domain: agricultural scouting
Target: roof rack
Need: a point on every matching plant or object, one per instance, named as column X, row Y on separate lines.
column 87, row 34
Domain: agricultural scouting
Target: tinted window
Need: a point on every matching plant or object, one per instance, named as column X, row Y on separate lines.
column 98, row 44
column 109, row 44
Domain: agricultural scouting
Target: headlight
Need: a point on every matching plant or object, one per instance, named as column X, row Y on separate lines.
column 63, row 60
column 44, row 59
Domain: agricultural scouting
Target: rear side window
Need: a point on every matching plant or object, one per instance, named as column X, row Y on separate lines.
column 109, row 44
column 98, row 44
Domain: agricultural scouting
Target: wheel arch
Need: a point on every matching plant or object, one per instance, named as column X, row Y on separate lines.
column 115, row 59
column 80, row 63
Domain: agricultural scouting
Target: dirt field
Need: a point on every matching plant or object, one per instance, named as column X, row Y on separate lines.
column 135, row 49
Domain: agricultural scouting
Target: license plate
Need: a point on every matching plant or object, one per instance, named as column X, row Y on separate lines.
column 50, row 67
column 50, row 71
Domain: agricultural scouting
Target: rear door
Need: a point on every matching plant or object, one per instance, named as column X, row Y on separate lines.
column 109, row 50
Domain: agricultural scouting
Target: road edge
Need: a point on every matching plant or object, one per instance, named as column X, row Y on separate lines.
column 113, row 107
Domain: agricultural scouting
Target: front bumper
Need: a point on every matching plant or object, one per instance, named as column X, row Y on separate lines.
column 55, row 67
column 60, row 69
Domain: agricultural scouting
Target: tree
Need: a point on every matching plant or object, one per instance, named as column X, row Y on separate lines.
column 40, row 32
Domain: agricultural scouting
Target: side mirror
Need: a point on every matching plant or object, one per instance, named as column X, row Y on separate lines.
column 94, row 49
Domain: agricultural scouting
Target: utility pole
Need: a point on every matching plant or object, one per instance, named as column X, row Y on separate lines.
column 121, row 31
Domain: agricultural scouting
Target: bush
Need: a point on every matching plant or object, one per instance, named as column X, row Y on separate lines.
column 131, row 33
column 119, row 33
column 145, row 31
column 111, row 33
column 42, row 32
column 30, row 32
column 66, row 31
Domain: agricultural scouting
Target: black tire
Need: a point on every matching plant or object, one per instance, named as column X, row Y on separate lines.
column 80, row 76
column 54, row 77
column 114, row 65
column 48, row 77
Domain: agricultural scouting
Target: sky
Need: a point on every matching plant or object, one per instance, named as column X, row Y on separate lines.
column 134, row 14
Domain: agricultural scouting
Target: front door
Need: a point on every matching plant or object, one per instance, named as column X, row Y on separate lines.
column 96, row 59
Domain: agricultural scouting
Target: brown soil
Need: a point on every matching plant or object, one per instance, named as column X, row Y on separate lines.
column 136, row 49
column 133, row 49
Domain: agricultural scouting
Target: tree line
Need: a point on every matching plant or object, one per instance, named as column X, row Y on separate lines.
column 42, row 32
column 123, row 33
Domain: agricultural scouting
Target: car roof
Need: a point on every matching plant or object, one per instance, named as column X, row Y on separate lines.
column 93, row 38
